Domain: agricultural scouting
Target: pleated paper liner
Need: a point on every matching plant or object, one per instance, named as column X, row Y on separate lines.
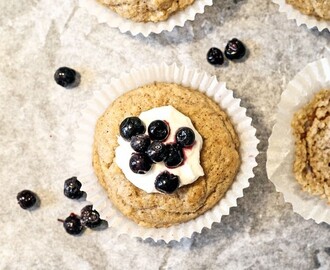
column 172, row 74
column 300, row 18
column 280, row 157
column 105, row 15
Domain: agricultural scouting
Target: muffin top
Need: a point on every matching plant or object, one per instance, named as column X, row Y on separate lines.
column 146, row 11
column 219, row 157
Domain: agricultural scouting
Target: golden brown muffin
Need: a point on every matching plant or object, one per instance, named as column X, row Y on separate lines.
column 219, row 156
column 146, row 10
column 311, row 129
column 317, row 8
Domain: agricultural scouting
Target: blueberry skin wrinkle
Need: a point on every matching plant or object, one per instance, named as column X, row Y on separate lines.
column 166, row 182
column 140, row 143
column 235, row 49
column 215, row 56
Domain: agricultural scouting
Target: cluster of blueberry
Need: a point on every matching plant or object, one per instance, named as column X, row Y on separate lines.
column 234, row 50
column 89, row 218
column 149, row 149
column 73, row 224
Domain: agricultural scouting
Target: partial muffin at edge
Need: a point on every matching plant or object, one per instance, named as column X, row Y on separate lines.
column 146, row 11
column 311, row 129
column 219, row 156
column 318, row 8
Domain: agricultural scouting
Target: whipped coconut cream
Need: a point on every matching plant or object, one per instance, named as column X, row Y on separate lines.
column 188, row 172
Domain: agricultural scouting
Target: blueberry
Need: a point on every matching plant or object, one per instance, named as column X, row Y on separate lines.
column 185, row 136
column 215, row 56
column 72, row 224
column 157, row 151
column 140, row 163
column 167, row 182
column 158, row 130
column 72, row 188
column 140, row 143
column 66, row 77
column 89, row 217
column 26, row 199
column 174, row 156
column 130, row 127
column 235, row 49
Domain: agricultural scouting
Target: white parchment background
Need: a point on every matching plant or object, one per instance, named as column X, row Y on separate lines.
column 38, row 118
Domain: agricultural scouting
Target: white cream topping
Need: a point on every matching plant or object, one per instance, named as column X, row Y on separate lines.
column 188, row 172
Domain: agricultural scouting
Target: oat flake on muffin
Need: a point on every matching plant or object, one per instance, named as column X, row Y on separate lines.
column 311, row 129
column 147, row 10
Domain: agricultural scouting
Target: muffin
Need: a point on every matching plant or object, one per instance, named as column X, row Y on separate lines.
column 219, row 156
column 311, row 129
column 317, row 8
column 146, row 11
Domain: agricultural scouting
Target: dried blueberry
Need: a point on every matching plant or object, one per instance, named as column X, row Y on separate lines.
column 235, row 49
column 140, row 143
column 89, row 217
column 130, row 127
column 157, row 151
column 140, row 163
column 26, row 199
column 185, row 136
column 215, row 56
column 72, row 224
column 174, row 156
column 72, row 188
column 167, row 182
column 66, row 77
column 158, row 130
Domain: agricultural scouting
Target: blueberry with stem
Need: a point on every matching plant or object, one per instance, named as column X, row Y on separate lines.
column 72, row 224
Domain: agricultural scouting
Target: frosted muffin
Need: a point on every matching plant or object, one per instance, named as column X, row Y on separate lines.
column 146, row 11
column 311, row 129
column 219, row 156
column 317, row 8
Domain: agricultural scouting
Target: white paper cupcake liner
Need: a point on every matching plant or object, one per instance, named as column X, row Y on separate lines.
column 280, row 157
column 172, row 74
column 105, row 15
column 300, row 18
